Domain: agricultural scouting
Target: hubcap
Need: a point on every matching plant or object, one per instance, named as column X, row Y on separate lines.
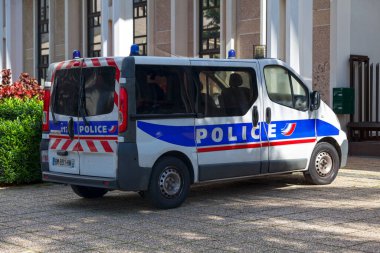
column 323, row 164
column 170, row 182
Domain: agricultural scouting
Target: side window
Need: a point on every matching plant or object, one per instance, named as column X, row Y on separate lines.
column 225, row 91
column 163, row 90
column 283, row 88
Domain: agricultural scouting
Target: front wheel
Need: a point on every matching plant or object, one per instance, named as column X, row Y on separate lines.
column 324, row 164
column 169, row 184
column 89, row 192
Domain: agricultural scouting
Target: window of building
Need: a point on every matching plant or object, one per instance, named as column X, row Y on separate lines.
column 140, row 25
column 225, row 91
column 209, row 30
column 93, row 28
column 163, row 90
column 285, row 89
column 43, row 39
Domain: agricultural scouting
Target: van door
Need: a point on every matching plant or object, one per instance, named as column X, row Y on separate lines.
column 98, row 117
column 229, row 111
column 63, row 143
column 290, row 126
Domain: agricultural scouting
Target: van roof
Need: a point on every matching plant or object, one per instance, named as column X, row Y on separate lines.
column 155, row 60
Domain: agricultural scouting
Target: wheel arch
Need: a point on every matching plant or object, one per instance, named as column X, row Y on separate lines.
column 184, row 158
column 335, row 144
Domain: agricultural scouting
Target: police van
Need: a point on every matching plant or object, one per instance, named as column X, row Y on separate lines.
column 157, row 125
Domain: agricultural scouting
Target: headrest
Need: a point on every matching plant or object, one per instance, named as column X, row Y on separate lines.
column 235, row 80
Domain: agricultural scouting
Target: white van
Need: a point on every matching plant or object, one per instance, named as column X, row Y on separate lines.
column 157, row 125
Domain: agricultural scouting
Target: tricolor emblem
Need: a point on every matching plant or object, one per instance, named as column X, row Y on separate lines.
column 289, row 129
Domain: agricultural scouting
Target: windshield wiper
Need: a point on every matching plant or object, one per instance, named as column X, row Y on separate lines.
column 82, row 97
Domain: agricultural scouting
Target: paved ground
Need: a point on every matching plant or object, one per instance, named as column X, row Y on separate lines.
column 277, row 214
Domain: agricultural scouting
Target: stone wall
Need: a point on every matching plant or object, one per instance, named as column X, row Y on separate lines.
column 248, row 27
column 59, row 31
column 162, row 28
column 321, row 48
column 28, row 38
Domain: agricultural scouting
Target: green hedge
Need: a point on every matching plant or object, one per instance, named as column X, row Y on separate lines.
column 20, row 135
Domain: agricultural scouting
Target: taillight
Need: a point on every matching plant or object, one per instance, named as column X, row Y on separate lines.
column 123, row 110
column 45, row 115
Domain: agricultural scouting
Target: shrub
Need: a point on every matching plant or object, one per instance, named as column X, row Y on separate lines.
column 20, row 129
column 24, row 87
column 20, row 134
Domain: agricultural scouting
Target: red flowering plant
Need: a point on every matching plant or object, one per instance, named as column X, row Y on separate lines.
column 24, row 87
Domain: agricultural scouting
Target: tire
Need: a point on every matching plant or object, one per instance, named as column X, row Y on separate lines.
column 89, row 192
column 324, row 165
column 169, row 183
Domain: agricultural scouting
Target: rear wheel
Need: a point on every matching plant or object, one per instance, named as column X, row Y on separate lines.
column 169, row 184
column 324, row 164
column 89, row 192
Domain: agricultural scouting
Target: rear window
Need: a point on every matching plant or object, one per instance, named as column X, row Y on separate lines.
column 95, row 87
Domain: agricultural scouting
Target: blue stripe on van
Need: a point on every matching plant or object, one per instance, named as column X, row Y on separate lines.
column 93, row 128
column 239, row 133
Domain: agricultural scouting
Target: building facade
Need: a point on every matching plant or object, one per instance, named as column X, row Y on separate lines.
column 316, row 37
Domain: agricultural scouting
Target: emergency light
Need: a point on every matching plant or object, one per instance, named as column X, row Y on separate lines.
column 135, row 50
column 231, row 54
column 76, row 54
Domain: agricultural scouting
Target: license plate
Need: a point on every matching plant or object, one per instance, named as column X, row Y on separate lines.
column 63, row 162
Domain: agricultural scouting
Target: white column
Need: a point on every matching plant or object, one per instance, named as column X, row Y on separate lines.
column 223, row 29
column 1, row 35
column 104, row 28
column 263, row 22
column 35, row 40
column 51, row 31
column 299, row 37
column 196, row 28
column 340, row 45
column 122, row 12
column 292, row 34
column 273, row 28
column 8, row 63
column 230, row 25
column 179, row 28
column 84, row 48
column 150, row 27
column 306, row 43
column 14, row 45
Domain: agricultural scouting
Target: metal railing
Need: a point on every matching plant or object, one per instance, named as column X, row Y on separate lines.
column 364, row 78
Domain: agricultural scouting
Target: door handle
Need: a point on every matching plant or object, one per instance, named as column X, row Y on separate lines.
column 268, row 115
column 70, row 128
column 62, row 153
column 255, row 116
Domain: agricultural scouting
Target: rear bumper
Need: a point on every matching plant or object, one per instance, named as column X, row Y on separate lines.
column 99, row 182
column 130, row 176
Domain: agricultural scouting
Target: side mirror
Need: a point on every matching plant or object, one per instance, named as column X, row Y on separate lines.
column 315, row 100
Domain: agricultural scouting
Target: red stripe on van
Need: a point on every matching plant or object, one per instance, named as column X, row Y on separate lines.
column 55, row 144
column 96, row 62
column 59, row 66
column 110, row 138
column 224, row 148
column 66, row 145
column 106, row 146
column 292, row 142
column 111, row 62
column 91, row 146
column 78, row 147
